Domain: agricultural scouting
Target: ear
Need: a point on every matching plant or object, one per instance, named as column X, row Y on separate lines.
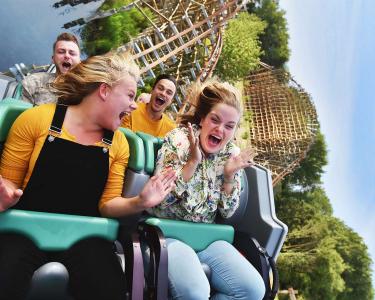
column 200, row 123
column 103, row 91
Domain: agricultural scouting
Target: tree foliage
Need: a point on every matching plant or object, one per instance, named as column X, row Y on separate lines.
column 103, row 35
column 308, row 174
column 322, row 257
column 241, row 49
column 274, row 39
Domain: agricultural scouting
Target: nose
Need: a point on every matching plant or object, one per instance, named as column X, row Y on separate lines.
column 164, row 94
column 67, row 55
column 133, row 105
column 221, row 127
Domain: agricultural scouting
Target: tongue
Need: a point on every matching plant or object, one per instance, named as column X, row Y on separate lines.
column 160, row 101
column 213, row 140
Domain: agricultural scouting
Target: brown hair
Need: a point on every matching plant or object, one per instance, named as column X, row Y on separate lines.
column 65, row 36
column 87, row 76
column 202, row 97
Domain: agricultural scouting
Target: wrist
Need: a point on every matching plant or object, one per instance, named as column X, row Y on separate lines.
column 193, row 162
column 229, row 179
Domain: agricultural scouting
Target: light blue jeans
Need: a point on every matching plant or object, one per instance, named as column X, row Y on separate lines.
column 233, row 277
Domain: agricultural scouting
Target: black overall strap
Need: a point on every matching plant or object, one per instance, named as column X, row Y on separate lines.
column 68, row 177
column 58, row 118
column 107, row 137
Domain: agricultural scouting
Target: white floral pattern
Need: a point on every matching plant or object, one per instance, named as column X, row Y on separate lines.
column 199, row 199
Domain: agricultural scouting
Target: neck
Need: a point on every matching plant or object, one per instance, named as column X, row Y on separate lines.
column 83, row 116
column 155, row 116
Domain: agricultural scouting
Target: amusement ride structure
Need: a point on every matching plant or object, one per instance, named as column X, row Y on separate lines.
column 185, row 38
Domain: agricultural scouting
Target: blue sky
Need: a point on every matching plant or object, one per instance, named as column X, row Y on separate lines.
column 333, row 57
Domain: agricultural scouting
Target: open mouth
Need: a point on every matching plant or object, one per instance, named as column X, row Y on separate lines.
column 123, row 114
column 66, row 65
column 214, row 140
column 160, row 101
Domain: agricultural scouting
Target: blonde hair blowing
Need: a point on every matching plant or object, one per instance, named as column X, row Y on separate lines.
column 87, row 76
column 202, row 97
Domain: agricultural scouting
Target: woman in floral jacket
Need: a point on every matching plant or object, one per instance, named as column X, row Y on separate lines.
column 208, row 166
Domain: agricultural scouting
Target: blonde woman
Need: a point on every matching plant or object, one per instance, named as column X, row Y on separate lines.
column 208, row 168
column 69, row 158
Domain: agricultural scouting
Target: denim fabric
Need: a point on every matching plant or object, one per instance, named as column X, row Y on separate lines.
column 233, row 277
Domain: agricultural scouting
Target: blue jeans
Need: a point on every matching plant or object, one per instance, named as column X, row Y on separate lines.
column 233, row 277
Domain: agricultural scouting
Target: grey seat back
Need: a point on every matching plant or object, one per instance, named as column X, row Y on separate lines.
column 256, row 214
column 8, row 86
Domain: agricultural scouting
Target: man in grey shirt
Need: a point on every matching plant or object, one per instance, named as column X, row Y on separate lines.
column 66, row 54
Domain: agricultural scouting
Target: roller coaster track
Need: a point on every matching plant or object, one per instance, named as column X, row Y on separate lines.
column 184, row 38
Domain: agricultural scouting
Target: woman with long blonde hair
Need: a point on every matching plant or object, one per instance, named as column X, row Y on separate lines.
column 70, row 158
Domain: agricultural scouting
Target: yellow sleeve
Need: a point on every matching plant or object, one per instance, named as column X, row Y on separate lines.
column 119, row 157
column 127, row 122
column 25, row 138
column 168, row 125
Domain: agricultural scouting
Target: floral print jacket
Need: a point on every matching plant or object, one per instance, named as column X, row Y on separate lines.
column 198, row 199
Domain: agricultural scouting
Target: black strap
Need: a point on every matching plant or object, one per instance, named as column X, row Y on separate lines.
column 58, row 118
column 275, row 276
column 107, row 137
column 272, row 292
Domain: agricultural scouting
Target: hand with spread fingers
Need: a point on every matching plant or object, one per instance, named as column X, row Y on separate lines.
column 238, row 162
column 195, row 151
column 9, row 194
column 157, row 188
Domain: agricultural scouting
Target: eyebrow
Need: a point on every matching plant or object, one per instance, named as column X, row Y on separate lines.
column 164, row 87
column 217, row 116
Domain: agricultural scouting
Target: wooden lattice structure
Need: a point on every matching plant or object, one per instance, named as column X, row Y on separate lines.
column 284, row 120
column 184, row 38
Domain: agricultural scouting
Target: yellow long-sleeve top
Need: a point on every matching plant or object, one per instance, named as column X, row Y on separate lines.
column 26, row 139
column 140, row 121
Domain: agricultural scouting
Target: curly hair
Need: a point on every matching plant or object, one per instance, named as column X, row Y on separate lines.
column 202, row 97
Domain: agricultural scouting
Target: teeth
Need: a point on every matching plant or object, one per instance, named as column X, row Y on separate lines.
column 123, row 114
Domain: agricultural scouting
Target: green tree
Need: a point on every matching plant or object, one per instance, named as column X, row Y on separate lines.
column 103, row 35
column 357, row 275
column 274, row 39
column 322, row 257
column 310, row 261
column 308, row 174
column 241, row 49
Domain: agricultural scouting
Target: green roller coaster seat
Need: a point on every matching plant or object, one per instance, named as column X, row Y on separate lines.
column 151, row 145
column 10, row 109
column 197, row 235
column 55, row 232
column 48, row 230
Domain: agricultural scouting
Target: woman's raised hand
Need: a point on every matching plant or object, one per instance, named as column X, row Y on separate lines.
column 157, row 188
column 238, row 162
column 9, row 195
column 195, row 151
